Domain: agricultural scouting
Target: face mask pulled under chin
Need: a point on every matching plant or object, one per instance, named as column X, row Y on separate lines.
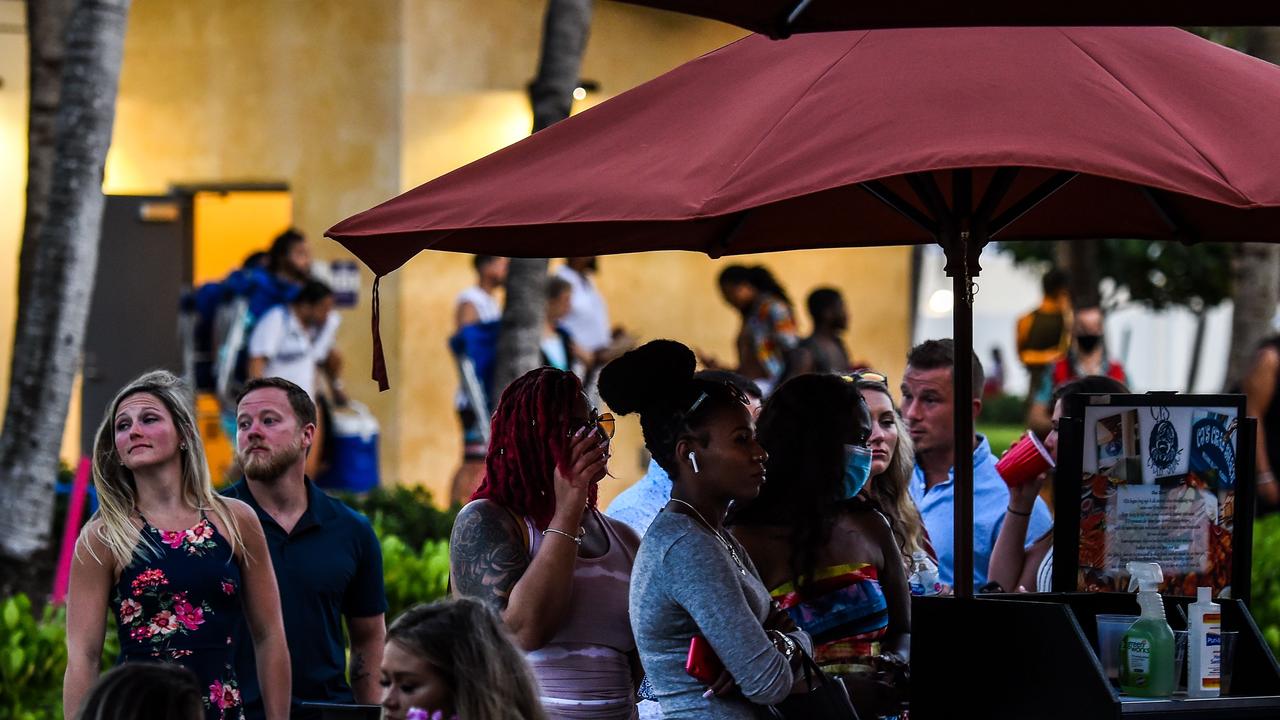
column 857, row 470
column 1088, row 343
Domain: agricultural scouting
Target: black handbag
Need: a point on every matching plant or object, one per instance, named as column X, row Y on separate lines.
column 827, row 699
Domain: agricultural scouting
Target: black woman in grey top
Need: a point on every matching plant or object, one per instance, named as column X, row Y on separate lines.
column 690, row 576
column 686, row 583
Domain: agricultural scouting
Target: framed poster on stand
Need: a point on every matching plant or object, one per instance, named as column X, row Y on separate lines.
column 1154, row 478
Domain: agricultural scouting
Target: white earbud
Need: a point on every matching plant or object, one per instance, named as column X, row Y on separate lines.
column 694, row 460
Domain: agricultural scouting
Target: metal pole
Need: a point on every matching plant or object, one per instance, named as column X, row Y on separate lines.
column 962, row 393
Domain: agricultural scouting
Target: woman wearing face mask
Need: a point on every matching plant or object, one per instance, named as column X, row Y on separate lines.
column 1031, row 569
column 691, row 577
column 532, row 544
column 831, row 559
column 453, row 660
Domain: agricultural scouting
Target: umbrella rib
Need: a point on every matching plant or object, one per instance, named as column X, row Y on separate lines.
column 777, row 123
column 1212, row 166
column 879, row 191
column 1030, row 200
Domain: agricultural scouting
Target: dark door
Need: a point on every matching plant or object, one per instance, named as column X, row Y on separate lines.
column 134, row 319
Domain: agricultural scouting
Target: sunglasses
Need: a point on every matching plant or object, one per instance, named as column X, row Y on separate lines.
column 734, row 391
column 867, row 376
column 603, row 423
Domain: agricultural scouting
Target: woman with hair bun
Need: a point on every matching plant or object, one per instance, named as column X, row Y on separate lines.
column 825, row 550
column 532, row 545
column 453, row 659
column 691, row 577
column 769, row 334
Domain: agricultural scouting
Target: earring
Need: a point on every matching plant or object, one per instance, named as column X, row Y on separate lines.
column 694, row 460
column 183, row 447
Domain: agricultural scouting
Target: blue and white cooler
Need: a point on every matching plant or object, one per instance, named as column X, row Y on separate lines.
column 353, row 450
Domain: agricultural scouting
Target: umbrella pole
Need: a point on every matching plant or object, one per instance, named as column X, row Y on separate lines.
column 962, row 268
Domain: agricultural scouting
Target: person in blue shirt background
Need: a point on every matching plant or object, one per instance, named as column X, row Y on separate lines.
column 927, row 407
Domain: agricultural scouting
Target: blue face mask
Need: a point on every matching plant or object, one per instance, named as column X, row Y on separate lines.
column 857, row 470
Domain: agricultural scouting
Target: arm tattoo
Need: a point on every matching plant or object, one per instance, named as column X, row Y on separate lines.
column 485, row 557
column 358, row 671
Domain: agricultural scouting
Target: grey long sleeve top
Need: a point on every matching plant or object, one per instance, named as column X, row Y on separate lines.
column 685, row 583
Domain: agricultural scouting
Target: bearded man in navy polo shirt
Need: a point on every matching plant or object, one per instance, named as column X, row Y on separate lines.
column 327, row 559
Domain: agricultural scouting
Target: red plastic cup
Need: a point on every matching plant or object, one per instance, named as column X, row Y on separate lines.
column 1025, row 461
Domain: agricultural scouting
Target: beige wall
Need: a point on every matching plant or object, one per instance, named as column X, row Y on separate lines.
column 13, row 172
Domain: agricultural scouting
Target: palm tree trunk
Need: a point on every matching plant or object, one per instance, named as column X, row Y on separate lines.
column 564, row 38
column 1256, row 268
column 51, row 318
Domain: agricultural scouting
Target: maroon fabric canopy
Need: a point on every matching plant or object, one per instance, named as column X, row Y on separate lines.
column 878, row 137
column 763, row 146
column 771, row 16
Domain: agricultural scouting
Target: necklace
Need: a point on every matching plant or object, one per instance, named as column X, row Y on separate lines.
column 727, row 546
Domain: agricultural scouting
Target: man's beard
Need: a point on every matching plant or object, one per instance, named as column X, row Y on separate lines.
column 269, row 467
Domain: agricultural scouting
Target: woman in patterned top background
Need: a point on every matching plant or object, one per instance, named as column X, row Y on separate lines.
column 174, row 562
column 769, row 333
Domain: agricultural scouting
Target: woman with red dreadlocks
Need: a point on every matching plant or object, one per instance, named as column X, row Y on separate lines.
column 532, row 544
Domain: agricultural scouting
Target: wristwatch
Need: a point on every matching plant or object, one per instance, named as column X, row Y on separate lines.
column 788, row 644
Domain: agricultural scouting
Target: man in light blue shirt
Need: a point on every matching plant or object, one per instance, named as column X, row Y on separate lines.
column 927, row 409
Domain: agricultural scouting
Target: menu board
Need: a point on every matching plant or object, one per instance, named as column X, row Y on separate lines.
column 1157, row 484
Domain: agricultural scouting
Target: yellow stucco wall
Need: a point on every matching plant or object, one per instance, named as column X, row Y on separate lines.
column 13, row 173
column 352, row 102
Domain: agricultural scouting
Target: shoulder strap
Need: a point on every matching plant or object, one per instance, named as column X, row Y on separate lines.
column 526, row 532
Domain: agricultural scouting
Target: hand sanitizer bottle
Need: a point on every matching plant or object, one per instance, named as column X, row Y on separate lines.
column 1204, row 646
column 1146, row 648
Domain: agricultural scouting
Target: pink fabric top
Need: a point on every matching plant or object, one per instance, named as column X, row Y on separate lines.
column 584, row 671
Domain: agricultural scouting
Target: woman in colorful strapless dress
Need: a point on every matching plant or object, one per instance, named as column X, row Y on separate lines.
column 827, row 554
column 177, row 564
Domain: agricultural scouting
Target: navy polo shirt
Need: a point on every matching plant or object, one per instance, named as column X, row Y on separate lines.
column 328, row 567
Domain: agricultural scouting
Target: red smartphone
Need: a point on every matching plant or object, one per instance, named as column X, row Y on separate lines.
column 703, row 664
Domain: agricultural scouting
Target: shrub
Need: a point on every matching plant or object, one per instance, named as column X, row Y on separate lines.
column 406, row 512
column 1266, row 578
column 413, row 576
column 33, row 658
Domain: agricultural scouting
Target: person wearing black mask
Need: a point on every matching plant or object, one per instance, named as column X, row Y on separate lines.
column 1087, row 356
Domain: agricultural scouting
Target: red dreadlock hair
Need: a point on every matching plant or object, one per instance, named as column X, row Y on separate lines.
column 529, row 438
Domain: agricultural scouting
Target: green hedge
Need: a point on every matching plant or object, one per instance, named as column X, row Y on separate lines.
column 406, row 512
column 1266, row 579
column 33, row 658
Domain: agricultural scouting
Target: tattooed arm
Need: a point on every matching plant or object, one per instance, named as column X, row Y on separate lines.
column 367, row 637
column 488, row 559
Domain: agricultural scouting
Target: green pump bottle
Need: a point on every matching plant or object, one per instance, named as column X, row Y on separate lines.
column 1146, row 648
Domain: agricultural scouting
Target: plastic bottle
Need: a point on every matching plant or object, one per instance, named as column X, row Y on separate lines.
column 1146, row 648
column 1204, row 646
column 924, row 575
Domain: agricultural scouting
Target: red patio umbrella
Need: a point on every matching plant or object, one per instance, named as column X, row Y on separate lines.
column 879, row 137
column 780, row 18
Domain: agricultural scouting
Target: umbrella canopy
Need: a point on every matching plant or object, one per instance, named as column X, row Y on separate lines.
column 879, row 137
column 780, row 18
column 763, row 146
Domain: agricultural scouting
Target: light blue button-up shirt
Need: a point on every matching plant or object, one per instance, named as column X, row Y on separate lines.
column 990, row 500
column 639, row 504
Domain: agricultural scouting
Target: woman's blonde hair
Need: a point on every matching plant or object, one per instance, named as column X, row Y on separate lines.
column 891, row 489
column 114, row 483
column 465, row 641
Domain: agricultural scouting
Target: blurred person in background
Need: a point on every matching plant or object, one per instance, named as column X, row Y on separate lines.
column 1086, row 356
column 145, row 691
column 476, row 305
column 532, row 545
column 1259, row 386
column 179, row 567
column 1044, row 334
column 829, row 557
column 823, row 351
column 454, row 660
column 768, row 334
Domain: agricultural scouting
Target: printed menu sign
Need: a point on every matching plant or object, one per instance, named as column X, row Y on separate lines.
column 1158, row 486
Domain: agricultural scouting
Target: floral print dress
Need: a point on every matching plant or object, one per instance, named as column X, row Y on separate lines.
column 178, row 603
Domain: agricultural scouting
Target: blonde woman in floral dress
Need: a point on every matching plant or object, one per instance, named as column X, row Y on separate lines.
column 176, row 564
